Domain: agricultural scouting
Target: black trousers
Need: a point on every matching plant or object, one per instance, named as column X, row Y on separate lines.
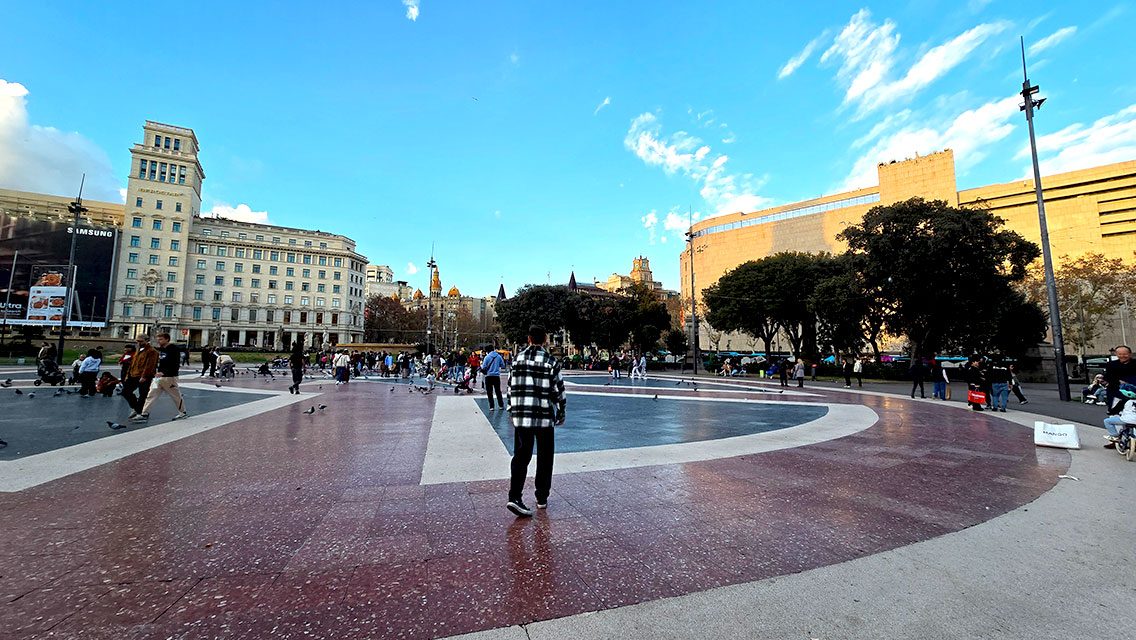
column 523, row 438
column 1017, row 389
column 297, row 377
column 848, row 379
column 132, row 385
column 493, row 384
column 917, row 384
column 87, row 379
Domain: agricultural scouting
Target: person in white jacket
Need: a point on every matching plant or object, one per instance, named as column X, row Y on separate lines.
column 341, row 363
column 1123, row 412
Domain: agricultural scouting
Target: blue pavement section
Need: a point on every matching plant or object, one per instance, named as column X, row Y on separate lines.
column 653, row 383
column 598, row 422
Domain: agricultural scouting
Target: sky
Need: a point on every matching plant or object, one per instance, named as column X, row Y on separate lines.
column 523, row 140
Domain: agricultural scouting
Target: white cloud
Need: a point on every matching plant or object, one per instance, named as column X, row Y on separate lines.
column 411, row 269
column 47, row 160
column 685, row 154
column 976, row 6
column 1109, row 139
column 411, row 9
column 968, row 135
column 675, row 224
column 122, row 194
column 796, row 61
column 730, row 139
column 241, row 212
column 515, row 59
column 650, row 221
column 1051, row 40
column 867, row 55
column 606, row 101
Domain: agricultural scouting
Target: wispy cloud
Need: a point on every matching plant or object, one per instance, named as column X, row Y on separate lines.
column 606, row 102
column 515, row 59
column 682, row 153
column 968, row 134
column 675, row 224
column 1080, row 146
column 796, row 61
column 650, row 221
column 867, row 53
column 411, row 9
column 241, row 212
column 1051, row 40
column 47, row 160
column 411, row 269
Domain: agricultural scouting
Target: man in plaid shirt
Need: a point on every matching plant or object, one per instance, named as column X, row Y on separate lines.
column 536, row 395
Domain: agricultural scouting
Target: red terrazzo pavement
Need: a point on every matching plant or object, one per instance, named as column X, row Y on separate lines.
column 288, row 525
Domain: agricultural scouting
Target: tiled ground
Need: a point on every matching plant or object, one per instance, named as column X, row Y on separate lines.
column 290, row 525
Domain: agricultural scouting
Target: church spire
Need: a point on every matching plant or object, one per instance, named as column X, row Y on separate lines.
column 435, row 284
column 572, row 282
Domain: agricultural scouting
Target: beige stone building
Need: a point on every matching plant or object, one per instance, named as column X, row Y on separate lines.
column 445, row 309
column 213, row 281
column 55, row 207
column 380, row 282
column 640, row 273
column 1091, row 210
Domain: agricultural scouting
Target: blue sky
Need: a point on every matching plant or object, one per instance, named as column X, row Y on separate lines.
column 526, row 139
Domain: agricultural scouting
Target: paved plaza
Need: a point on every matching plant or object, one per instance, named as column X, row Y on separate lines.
column 730, row 509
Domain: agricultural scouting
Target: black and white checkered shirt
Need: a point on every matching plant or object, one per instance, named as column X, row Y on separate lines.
column 536, row 390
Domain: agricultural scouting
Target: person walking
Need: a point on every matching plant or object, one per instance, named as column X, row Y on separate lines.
column 89, row 373
column 491, row 366
column 939, row 381
column 143, row 366
column 783, row 371
column 128, row 352
column 917, row 373
column 340, row 363
column 208, row 362
column 537, row 401
column 858, row 370
column 169, row 360
column 999, row 377
column 643, row 366
column 615, row 364
column 296, row 362
column 848, row 366
column 975, row 380
column 799, row 373
column 1016, row 386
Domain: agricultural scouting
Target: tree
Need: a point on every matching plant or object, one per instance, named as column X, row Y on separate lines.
column 1090, row 288
column 739, row 301
column 942, row 274
column 610, row 321
column 388, row 321
column 647, row 318
column 840, row 307
column 676, row 342
column 533, row 304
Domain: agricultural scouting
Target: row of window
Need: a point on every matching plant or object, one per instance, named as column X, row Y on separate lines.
column 276, row 256
column 155, row 243
column 289, row 285
column 132, row 258
column 137, row 222
column 250, row 315
column 160, row 171
column 157, row 205
column 260, row 238
column 158, row 143
column 254, row 298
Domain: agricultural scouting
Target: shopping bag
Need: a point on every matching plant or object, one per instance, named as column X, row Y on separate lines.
column 1063, row 436
column 976, row 397
column 948, row 392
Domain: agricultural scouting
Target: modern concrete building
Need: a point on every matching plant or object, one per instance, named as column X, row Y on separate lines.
column 1091, row 210
column 215, row 281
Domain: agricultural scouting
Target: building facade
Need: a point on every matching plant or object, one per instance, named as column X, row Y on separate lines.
column 641, row 274
column 1091, row 210
column 213, row 281
column 381, row 282
column 445, row 308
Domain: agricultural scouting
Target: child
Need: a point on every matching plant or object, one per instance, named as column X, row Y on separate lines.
column 106, row 385
column 1122, row 412
column 88, row 373
column 264, row 370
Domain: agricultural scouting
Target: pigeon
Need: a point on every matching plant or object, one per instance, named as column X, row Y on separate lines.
column 607, row 384
column 3, row 443
column 31, row 395
column 322, row 407
column 57, row 393
column 8, row 381
column 6, row 384
column 19, row 393
column 392, row 389
column 656, row 397
column 115, row 426
column 216, row 385
column 310, row 411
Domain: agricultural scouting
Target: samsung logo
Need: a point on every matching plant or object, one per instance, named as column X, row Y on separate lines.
column 101, row 233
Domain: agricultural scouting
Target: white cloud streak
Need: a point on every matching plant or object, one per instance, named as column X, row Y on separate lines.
column 606, row 102
column 796, row 61
column 867, row 54
column 1051, row 40
column 411, row 269
column 411, row 9
column 241, row 212
column 675, row 224
column 47, row 160
column 1107, row 140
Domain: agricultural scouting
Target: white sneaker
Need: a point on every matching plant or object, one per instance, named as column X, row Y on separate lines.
column 133, row 415
column 180, row 416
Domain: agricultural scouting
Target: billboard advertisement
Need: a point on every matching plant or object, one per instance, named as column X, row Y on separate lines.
column 34, row 283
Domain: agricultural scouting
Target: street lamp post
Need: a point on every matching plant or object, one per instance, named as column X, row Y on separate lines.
column 430, row 303
column 1029, row 106
column 693, row 297
column 76, row 208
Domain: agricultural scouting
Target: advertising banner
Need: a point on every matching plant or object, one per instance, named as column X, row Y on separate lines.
column 39, row 282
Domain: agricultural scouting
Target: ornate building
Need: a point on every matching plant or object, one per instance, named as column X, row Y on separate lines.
column 447, row 309
column 640, row 273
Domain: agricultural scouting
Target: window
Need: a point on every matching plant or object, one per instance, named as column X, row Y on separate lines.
column 157, row 142
column 217, row 297
column 335, row 288
column 153, row 169
column 138, row 201
column 177, row 227
column 181, row 175
column 291, row 257
column 260, row 238
column 224, row 234
column 255, row 283
column 256, row 268
column 173, row 261
column 172, row 276
column 177, row 144
column 289, row 285
column 147, row 310
column 270, row 316
column 323, row 274
column 274, row 256
column 321, row 288
column 169, row 292
column 133, row 257
column 339, row 262
column 335, row 318
column 175, row 245
column 158, row 204
column 240, row 252
column 129, row 290
column 287, row 316
column 167, row 142
column 135, row 241
column 257, row 254
column 199, row 279
column 288, row 299
column 242, row 236
column 236, row 296
column 292, row 241
column 238, row 266
column 323, row 261
column 290, row 272
column 141, row 172
column 336, row 276
column 271, row 284
column 155, row 243
column 304, row 286
column 177, row 207
column 197, row 313
column 254, row 297
column 320, row 302
column 158, row 223
column 237, row 282
column 136, row 223
column 252, row 315
column 219, row 281
column 272, row 270
column 153, row 258
column 200, row 264
column 323, row 245
column 275, row 240
column 206, row 232
column 203, row 249
column 127, row 309
column 307, row 259
column 303, row 317
column 307, row 273
column 216, row 313
column 305, row 300
column 335, row 302
column 198, row 294
column 272, row 298
column 222, row 251
column 319, row 318
column 131, row 273
column 308, row 244
column 220, row 265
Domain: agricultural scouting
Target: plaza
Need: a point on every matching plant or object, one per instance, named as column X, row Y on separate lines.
column 377, row 517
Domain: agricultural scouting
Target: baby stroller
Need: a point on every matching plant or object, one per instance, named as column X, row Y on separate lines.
column 49, row 372
column 464, row 383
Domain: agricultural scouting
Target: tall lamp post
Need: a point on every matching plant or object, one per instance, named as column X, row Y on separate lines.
column 693, row 297
column 1029, row 106
column 77, row 209
column 430, row 303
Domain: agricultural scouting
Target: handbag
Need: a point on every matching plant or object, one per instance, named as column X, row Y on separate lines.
column 976, row 397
